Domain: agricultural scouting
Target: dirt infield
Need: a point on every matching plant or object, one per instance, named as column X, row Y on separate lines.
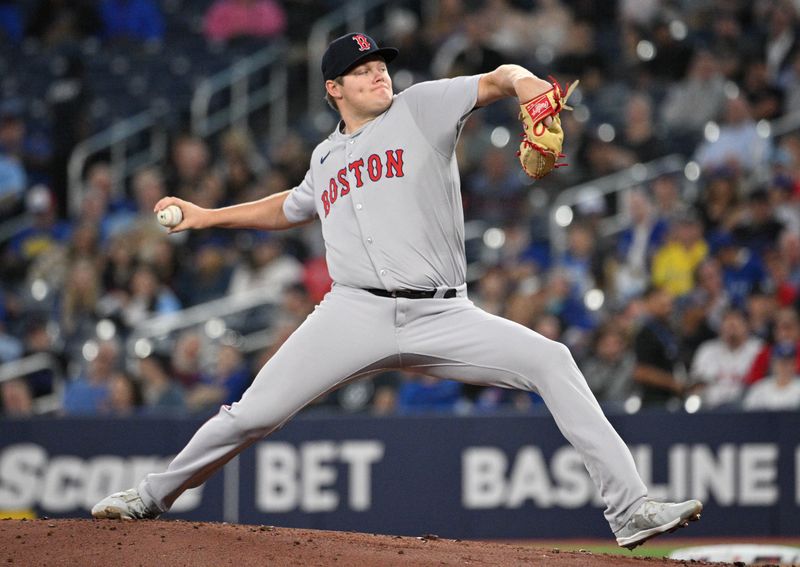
column 53, row 543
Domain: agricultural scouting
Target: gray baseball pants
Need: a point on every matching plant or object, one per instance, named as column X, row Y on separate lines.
column 353, row 333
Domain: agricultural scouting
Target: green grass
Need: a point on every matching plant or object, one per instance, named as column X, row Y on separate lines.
column 647, row 550
column 642, row 551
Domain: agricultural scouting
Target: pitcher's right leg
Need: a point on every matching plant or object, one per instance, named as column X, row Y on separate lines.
column 347, row 335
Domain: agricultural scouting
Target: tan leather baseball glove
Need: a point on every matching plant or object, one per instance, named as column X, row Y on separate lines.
column 541, row 145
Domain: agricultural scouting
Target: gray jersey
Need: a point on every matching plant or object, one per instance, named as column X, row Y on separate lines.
column 388, row 195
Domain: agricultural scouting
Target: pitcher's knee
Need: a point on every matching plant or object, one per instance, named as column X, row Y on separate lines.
column 251, row 424
column 553, row 359
column 561, row 354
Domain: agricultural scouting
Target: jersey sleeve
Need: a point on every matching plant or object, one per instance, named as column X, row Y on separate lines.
column 299, row 204
column 440, row 108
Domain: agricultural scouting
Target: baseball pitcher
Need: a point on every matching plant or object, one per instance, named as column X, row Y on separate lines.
column 385, row 188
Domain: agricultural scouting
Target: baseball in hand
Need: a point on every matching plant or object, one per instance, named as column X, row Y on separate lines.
column 170, row 216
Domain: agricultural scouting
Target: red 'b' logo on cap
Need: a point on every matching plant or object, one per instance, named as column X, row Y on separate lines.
column 363, row 42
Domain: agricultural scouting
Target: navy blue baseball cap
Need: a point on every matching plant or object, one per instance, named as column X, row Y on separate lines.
column 784, row 350
column 347, row 51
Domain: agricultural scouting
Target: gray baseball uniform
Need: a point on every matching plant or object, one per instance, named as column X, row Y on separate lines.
column 388, row 197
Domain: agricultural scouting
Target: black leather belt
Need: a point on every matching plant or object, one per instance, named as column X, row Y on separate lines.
column 411, row 293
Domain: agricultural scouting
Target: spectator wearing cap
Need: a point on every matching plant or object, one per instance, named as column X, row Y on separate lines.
column 674, row 264
column 742, row 271
column 781, row 390
column 758, row 229
column 720, row 365
column 720, row 204
column 45, row 232
column 656, row 345
column 785, row 330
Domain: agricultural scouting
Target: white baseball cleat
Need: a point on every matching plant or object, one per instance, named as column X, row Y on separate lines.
column 655, row 518
column 125, row 505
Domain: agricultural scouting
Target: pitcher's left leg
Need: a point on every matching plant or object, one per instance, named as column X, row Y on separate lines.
column 456, row 340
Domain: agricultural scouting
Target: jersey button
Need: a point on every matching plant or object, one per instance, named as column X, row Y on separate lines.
column 369, row 239
column 383, row 272
column 359, row 206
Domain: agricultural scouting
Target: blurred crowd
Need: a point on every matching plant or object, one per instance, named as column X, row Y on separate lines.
column 692, row 304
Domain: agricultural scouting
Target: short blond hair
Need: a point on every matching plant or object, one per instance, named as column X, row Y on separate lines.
column 329, row 99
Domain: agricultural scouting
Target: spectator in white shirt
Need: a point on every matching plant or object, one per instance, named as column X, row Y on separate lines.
column 720, row 365
column 781, row 391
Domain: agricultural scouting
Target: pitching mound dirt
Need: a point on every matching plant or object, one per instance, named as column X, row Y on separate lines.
column 54, row 543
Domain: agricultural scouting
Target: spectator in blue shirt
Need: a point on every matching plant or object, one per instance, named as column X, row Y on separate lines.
column 133, row 20
column 89, row 393
column 742, row 271
column 13, row 177
column 11, row 27
column 420, row 394
column 224, row 384
column 161, row 392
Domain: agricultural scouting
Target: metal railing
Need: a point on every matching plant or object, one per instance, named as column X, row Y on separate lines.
column 562, row 210
column 774, row 129
column 36, row 363
column 142, row 140
column 638, row 174
column 212, row 315
column 246, row 94
column 133, row 143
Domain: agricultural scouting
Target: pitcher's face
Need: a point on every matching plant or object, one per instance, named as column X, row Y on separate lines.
column 366, row 89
